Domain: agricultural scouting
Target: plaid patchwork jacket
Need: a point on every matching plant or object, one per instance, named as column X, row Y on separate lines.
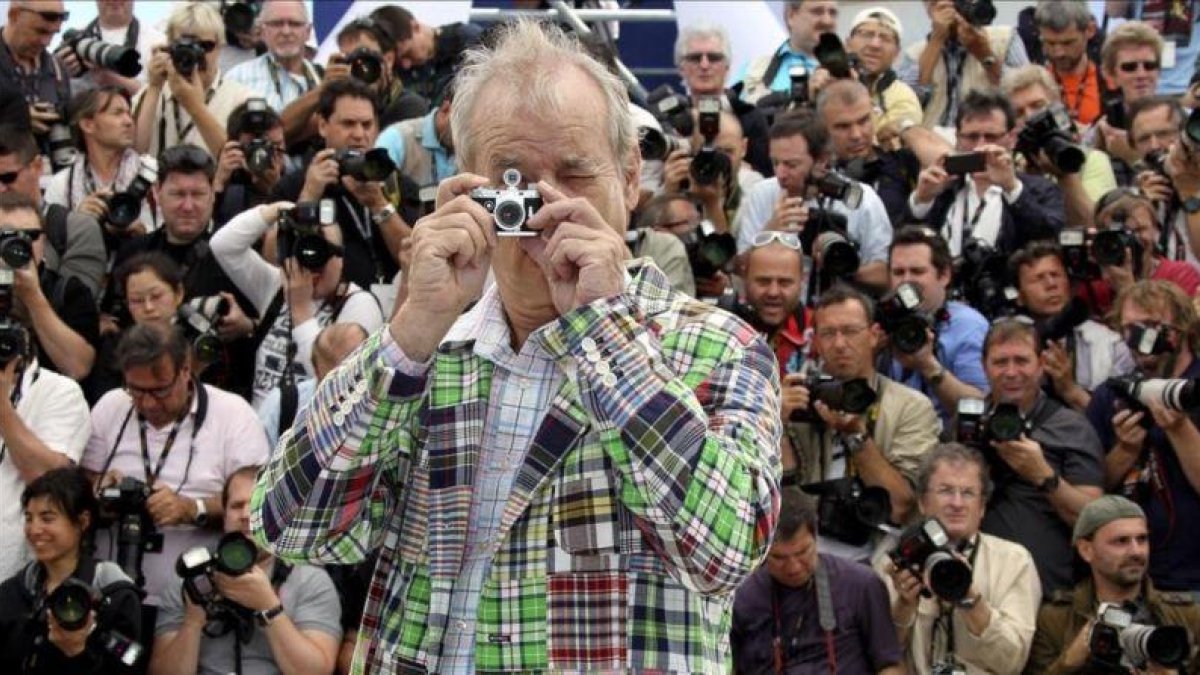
column 649, row 492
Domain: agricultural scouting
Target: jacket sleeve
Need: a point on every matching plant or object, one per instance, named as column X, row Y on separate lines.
column 337, row 475
column 1038, row 212
column 1049, row 642
column 1005, row 644
column 696, row 453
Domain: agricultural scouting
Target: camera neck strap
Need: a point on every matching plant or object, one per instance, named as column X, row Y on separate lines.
column 15, row 397
column 201, row 399
column 1080, row 91
column 181, row 131
column 944, row 624
column 825, row 617
column 273, row 69
column 131, row 32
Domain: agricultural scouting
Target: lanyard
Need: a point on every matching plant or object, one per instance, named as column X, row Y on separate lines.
column 152, row 478
column 969, row 227
column 953, row 80
column 273, row 70
column 15, row 397
column 364, row 228
column 131, row 32
column 1079, row 91
column 828, row 622
column 181, row 131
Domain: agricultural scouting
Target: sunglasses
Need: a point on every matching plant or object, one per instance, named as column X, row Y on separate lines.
column 207, row 45
column 285, row 23
column 1132, row 66
column 10, row 177
column 51, row 17
column 697, row 57
column 788, row 239
column 157, row 393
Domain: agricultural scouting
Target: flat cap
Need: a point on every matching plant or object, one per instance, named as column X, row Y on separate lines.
column 1103, row 511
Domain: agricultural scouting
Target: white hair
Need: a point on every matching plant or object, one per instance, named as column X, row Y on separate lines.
column 700, row 31
column 262, row 12
column 527, row 58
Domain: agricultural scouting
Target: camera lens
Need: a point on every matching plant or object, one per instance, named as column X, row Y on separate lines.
column 909, row 335
column 365, row 67
column 1006, row 423
column 839, row 258
column 949, row 577
column 857, row 396
column 123, row 209
column 70, row 604
column 1109, row 248
column 236, row 554
column 16, row 251
column 510, row 214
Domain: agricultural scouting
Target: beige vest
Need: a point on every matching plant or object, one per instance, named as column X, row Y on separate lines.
column 974, row 75
column 418, row 161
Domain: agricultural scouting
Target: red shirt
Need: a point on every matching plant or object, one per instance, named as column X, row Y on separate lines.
column 1182, row 274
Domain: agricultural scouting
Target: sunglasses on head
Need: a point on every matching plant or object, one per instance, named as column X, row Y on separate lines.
column 788, row 239
column 1132, row 66
column 51, row 17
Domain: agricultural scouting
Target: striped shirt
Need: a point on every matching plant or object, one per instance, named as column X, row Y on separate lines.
column 268, row 79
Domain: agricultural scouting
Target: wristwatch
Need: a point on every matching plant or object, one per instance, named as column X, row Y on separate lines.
column 264, row 617
column 969, row 603
column 1050, row 484
column 201, row 514
column 382, row 215
column 1192, row 204
column 936, row 378
column 989, row 61
column 854, row 442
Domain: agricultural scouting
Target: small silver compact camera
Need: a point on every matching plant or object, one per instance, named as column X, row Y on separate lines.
column 511, row 207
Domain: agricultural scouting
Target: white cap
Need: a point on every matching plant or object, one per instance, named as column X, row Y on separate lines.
column 883, row 15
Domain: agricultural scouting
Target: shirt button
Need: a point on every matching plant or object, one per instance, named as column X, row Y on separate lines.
column 609, row 380
column 460, row 624
column 588, row 344
column 603, row 369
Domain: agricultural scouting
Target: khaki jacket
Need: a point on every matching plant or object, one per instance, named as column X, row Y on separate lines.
column 1067, row 612
column 974, row 75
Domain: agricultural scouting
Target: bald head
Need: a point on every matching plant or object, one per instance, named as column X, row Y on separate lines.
column 28, row 32
column 334, row 343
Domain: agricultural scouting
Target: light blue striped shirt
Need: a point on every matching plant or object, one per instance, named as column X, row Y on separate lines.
column 267, row 79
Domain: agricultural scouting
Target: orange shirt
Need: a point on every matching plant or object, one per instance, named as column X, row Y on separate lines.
column 1081, row 94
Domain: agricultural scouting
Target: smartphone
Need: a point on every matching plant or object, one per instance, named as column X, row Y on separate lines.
column 966, row 162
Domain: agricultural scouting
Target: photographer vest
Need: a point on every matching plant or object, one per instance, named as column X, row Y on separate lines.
column 756, row 82
column 418, row 161
column 970, row 74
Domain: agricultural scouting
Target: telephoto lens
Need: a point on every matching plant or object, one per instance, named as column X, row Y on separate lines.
column 16, row 248
column 365, row 65
column 236, row 554
column 71, row 603
column 373, row 165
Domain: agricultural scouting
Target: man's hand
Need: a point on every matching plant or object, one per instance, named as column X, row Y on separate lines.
column 42, row 116
column 26, row 284
column 923, row 360
column 932, row 180
column 96, row 205
column 369, row 194
column 232, row 158
column 841, row 422
column 975, row 39
column 944, row 20
column 298, row 286
column 108, row 479
column 74, row 65
column 908, row 586
column 1119, row 276
column 168, row 507
column 1127, row 425
column 714, row 287
column 337, row 69
column 189, row 91
column 70, row 642
column 9, row 375
column 1000, row 170
column 791, row 214
column 1155, row 186
column 1170, row 421
column 1183, row 166
column 819, row 79
column 160, row 67
column 581, row 254
column 251, row 590
column 1077, row 653
column 235, row 324
column 1057, row 361
column 675, row 171
column 1026, row 458
column 793, row 395
column 323, row 171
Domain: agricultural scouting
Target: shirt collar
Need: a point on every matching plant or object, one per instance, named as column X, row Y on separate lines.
column 429, row 137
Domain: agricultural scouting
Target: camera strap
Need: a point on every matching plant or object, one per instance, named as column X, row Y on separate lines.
column 181, row 131
column 310, row 78
column 825, row 616
column 201, row 412
column 15, row 397
column 368, row 233
column 945, row 620
column 952, row 52
column 131, row 32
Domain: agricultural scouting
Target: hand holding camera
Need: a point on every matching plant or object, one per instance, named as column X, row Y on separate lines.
column 160, row 67
column 1024, row 456
column 1000, row 169
column 298, row 284
column 1155, row 185
column 42, row 116
column 932, row 180
column 841, row 422
column 944, row 20
column 230, row 160
column 791, row 214
column 793, row 394
column 323, row 171
column 168, row 507
column 70, row 641
column 251, row 589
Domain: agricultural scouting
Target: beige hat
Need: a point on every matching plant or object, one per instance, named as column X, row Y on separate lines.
column 883, row 15
column 1102, row 511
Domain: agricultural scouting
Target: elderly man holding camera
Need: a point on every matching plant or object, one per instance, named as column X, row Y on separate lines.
column 980, row 621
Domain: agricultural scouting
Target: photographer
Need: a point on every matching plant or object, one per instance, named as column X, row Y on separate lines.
column 1032, row 90
column 720, row 197
column 1081, row 356
column 282, row 74
column 291, row 611
column 114, row 25
column 774, row 278
column 1133, row 212
column 947, row 365
column 806, row 20
column 422, row 147
column 663, row 226
column 875, row 37
column 961, row 54
column 1169, row 173
column 1065, row 30
column 366, row 54
column 800, row 150
column 372, row 226
column 198, row 99
column 251, row 163
column 883, row 445
column 1151, row 448
column 775, row 627
column 425, row 55
column 996, row 204
column 1131, row 59
column 1111, row 537
column 27, row 67
column 60, row 515
column 1050, row 470
column 107, row 165
column 178, row 438
column 991, row 628
column 307, row 294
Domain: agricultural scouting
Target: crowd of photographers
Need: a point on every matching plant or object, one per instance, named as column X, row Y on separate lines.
column 975, row 258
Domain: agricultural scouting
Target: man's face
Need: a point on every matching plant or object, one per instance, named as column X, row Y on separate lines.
column 159, row 390
column 1065, row 49
column 846, row 339
column 914, row 263
column 876, row 46
column 114, row 12
column 704, row 66
column 352, row 124
column 1119, row 552
column 729, row 140
column 793, row 163
column 31, row 32
column 19, row 177
column 773, row 282
column 1135, row 72
column 111, row 127
column 1044, row 287
column 984, row 129
column 419, row 49
column 567, row 147
column 237, row 506
column 1154, row 129
column 681, row 216
column 27, row 221
column 186, row 200
column 955, row 497
column 1028, row 102
column 807, row 23
column 791, row 562
column 850, row 128
column 1142, row 223
column 1154, row 365
column 285, row 28
column 1014, row 371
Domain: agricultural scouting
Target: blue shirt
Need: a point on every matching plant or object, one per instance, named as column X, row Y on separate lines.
column 960, row 351
column 782, row 81
column 270, row 408
column 392, row 139
column 266, row 78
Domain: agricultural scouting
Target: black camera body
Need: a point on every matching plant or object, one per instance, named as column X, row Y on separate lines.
column 1049, row 130
column 849, row 510
column 71, row 603
column 366, row 65
column 708, row 163
column 16, row 248
column 978, row 424
column 708, row 251
column 1117, row 643
column 14, row 340
column 124, row 208
column 299, row 234
column 924, row 548
column 123, row 60
column 365, row 166
column 186, row 55
column 234, row 555
column 838, row 186
column 978, row 13
column 854, row 396
column 199, row 318
column 1062, row 325
column 1076, row 246
column 260, row 155
column 511, row 207
column 124, row 505
column 982, row 279
column 838, row 254
column 901, row 318
column 832, row 56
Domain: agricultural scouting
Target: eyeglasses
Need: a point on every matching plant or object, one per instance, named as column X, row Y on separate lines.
column 848, row 332
column 158, row 393
column 788, row 239
column 50, row 17
column 949, row 491
column 976, row 136
column 10, row 177
column 1132, row 66
column 285, row 23
column 697, row 57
